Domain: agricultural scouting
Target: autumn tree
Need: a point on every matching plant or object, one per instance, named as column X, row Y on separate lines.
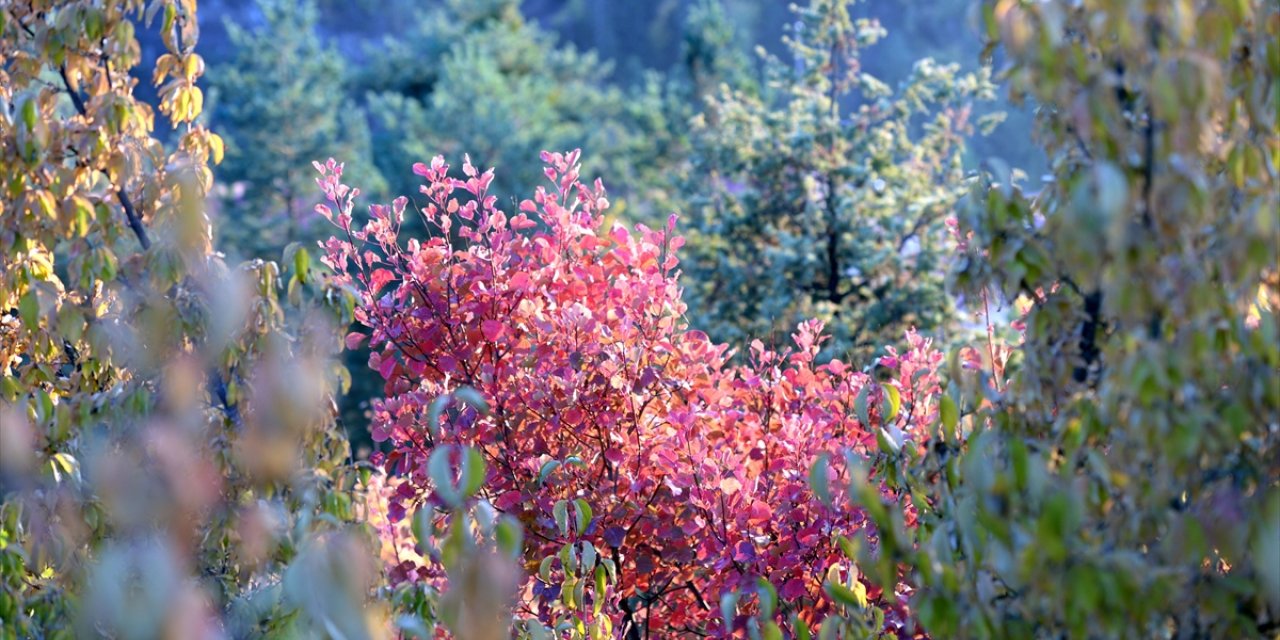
column 823, row 194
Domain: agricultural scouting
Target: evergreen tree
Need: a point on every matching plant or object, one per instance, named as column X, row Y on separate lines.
column 823, row 194
column 477, row 77
column 280, row 102
column 712, row 50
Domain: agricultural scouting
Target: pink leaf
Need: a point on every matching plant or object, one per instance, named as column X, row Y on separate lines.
column 355, row 339
column 792, row 589
column 379, row 279
column 492, row 329
column 387, row 367
column 760, row 513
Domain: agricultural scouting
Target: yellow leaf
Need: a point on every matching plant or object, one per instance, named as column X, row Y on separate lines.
column 163, row 63
column 197, row 103
column 44, row 204
column 216, row 147
column 181, row 101
column 193, row 67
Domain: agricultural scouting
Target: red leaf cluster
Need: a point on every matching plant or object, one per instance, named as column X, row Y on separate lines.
column 697, row 468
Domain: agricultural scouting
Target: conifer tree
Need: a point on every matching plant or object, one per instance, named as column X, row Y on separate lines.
column 281, row 104
column 823, row 194
column 477, row 77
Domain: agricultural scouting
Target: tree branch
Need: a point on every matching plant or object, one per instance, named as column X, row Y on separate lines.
column 75, row 95
column 135, row 222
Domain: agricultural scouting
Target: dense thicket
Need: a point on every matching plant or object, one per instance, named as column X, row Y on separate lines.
column 562, row 450
column 1111, row 469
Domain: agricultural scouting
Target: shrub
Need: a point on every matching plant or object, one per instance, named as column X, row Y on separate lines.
column 609, row 429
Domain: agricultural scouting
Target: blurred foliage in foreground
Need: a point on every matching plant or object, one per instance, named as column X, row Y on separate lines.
column 1115, row 472
column 170, row 463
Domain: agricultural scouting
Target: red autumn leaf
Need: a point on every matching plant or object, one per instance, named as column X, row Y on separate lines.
column 355, row 339
column 379, row 279
column 491, row 329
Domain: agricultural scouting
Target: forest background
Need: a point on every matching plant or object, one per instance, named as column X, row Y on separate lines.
column 384, row 84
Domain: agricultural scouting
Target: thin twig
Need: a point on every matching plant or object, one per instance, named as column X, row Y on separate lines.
column 135, row 222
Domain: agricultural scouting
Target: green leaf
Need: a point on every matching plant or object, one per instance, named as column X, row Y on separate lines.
column 510, row 536
column 892, row 400
column 423, row 526
column 820, row 478
column 29, row 113
column 301, row 258
column 860, row 406
column 768, row 598
column 569, row 559
column 473, row 471
column 413, row 627
column 547, row 468
column 29, row 310
column 434, row 411
column 888, row 444
column 802, row 628
column 582, row 511
column 728, row 607
column 772, row 631
column 48, row 208
column 441, row 473
column 849, row 547
column 601, row 586
column 170, row 16
column 82, row 215
column 472, row 398
column 950, row 415
column 855, row 598
column 561, row 514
